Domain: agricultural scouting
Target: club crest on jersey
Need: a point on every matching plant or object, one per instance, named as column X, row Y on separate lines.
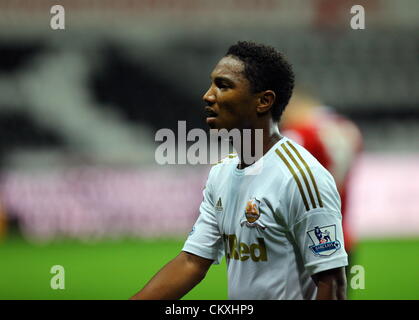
column 324, row 240
column 252, row 214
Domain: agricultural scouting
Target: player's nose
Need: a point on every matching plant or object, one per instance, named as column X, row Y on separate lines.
column 209, row 96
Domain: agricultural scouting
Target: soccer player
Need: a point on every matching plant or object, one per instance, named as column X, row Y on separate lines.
column 265, row 223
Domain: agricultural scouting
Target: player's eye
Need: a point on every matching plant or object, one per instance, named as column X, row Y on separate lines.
column 223, row 86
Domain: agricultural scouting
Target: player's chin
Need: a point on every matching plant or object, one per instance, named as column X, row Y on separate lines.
column 212, row 122
column 218, row 124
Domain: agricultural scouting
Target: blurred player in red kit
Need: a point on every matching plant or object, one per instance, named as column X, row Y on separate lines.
column 334, row 140
column 2, row 222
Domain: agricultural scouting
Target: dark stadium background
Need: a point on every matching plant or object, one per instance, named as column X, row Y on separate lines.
column 79, row 108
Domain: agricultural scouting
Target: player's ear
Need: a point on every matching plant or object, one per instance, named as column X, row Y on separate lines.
column 266, row 101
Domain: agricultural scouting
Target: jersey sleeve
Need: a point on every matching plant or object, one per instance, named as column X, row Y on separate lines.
column 315, row 221
column 205, row 239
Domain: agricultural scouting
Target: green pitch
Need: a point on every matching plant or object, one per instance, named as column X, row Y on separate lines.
column 118, row 269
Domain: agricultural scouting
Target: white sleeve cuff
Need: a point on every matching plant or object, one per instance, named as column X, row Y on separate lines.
column 330, row 263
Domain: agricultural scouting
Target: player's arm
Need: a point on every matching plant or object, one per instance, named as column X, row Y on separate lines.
column 202, row 248
column 323, row 258
column 176, row 278
column 331, row 284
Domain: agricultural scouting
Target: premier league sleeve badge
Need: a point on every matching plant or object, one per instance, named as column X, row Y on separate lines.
column 324, row 240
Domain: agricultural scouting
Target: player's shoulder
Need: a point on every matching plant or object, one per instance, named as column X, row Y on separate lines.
column 297, row 162
column 292, row 153
column 314, row 186
column 226, row 163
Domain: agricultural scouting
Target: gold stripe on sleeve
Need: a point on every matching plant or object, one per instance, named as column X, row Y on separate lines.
column 309, row 172
column 313, row 202
column 300, row 187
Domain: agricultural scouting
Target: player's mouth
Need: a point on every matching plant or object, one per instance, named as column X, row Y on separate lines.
column 210, row 114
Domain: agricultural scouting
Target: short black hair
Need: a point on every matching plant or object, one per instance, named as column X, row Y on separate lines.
column 266, row 69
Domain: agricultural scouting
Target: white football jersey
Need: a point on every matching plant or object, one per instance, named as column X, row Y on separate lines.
column 276, row 226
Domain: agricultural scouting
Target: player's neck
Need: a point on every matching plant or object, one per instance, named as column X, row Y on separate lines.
column 270, row 136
